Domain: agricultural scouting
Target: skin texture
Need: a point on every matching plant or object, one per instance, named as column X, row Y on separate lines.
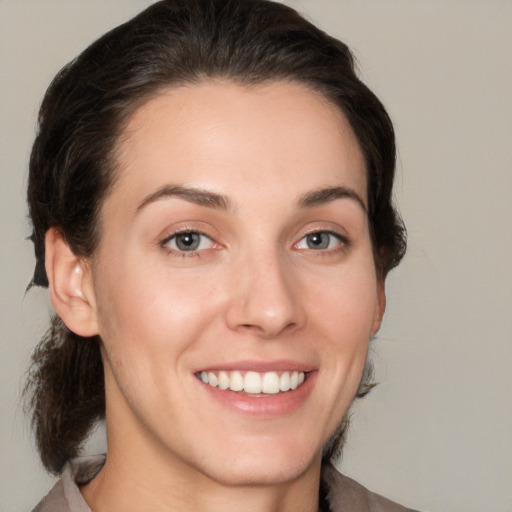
column 254, row 293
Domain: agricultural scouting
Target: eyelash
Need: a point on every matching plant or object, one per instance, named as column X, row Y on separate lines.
column 184, row 253
column 342, row 243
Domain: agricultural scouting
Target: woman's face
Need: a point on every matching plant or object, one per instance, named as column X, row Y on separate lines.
column 235, row 256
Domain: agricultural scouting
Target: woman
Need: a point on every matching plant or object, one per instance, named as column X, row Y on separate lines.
column 210, row 191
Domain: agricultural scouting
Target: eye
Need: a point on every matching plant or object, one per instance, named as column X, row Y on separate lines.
column 188, row 241
column 320, row 241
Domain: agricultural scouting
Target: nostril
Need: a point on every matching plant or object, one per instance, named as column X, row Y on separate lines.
column 267, row 330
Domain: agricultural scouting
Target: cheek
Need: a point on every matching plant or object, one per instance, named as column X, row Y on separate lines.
column 150, row 325
column 147, row 309
column 343, row 312
column 344, row 303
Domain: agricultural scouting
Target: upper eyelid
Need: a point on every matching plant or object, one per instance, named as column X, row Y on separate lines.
column 216, row 238
column 341, row 244
column 343, row 236
column 171, row 233
column 166, row 240
column 165, row 244
column 337, row 235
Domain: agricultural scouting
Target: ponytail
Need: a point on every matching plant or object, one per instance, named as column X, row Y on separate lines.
column 65, row 393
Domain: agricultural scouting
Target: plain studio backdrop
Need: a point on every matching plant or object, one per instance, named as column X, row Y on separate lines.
column 436, row 434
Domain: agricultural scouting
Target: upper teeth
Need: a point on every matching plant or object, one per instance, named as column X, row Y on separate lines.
column 254, row 382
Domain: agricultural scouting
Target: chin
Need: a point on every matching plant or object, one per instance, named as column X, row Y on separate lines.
column 269, row 473
column 263, row 465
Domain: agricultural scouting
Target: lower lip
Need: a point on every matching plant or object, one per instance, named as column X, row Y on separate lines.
column 264, row 406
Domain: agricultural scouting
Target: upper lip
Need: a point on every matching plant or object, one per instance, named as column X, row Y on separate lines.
column 258, row 366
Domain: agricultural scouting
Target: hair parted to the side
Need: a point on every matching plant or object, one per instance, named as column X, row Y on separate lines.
column 73, row 160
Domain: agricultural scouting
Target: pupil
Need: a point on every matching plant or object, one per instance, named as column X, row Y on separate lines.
column 318, row 241
column 187, row 241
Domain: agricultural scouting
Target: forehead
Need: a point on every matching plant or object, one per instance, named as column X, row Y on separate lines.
column 237, row 139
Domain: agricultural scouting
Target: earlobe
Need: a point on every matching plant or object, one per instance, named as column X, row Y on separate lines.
column 70, row 285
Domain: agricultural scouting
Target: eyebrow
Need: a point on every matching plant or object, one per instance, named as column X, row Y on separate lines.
column 221, row 202
column 326, row 195
column 193, row 195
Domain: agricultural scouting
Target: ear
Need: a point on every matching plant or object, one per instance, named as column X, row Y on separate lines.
column 70, row 285
column 380, row 307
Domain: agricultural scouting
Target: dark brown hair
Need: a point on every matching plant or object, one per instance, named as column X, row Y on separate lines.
column 72, row 165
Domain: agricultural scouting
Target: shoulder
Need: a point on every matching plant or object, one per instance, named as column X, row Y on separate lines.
column 343, row 494
column 65, row 495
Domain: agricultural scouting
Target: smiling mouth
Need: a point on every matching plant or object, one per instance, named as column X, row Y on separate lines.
column 254, row 383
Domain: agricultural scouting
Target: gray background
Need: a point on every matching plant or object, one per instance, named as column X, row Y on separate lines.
column 436, row 434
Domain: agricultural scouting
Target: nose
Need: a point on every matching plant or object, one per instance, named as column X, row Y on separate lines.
column 266, row 298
